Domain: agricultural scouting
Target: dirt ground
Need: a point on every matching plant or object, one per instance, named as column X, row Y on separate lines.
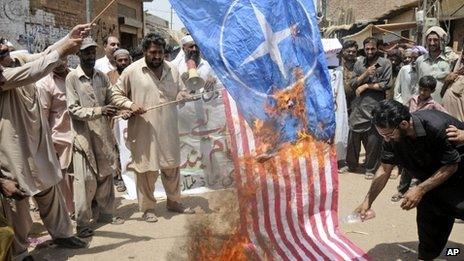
column 168, row 239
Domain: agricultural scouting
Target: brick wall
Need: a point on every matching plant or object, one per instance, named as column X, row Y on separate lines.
column 350, row 11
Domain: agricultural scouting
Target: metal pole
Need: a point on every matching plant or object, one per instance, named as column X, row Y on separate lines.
column 88, row 10
column 424, row 8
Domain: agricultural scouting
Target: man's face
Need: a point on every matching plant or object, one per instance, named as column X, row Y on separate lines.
column 393, row 134
column 370, row 49
column 122, row 61
column 433, row 42
column 62, row 68
column 424, row 93
column 154, row 55
column 395, row 61
column 88, row 57
column 349, row 54
column 112, row 45
column 191, row 50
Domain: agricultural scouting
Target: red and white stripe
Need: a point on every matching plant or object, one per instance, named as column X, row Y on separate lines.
column 293, row 215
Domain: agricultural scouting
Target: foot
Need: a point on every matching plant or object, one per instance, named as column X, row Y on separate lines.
column 343, row 170
column 84, row 232
column 117, row 221
column 369, row 175
column 70, row 242
column 179, row 208
column 397, row 197
column 120, row 187
column 149, row 217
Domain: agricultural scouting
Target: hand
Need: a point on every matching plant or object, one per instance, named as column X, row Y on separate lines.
column 361, row 89
column 126, row 114
column 80, row 31
column 210, row 84
column 11, row 189
column 362, row 209
column 137, row 109
column 70, row 46
column 109, row 110
column 183, row 96
column 412, row 198
column 454, row 134
column 371, row 70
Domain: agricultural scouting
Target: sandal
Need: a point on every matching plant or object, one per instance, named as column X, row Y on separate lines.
column 369, row 176
column 149, row 217
column 121, row 187
column 397, row 197
column 84, row 233
column 117, row 221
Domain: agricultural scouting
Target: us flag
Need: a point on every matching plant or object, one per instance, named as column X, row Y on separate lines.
column 288, row 205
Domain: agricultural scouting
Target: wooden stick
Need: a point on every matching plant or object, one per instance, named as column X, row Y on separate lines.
column 173, row 102
column 103, row 11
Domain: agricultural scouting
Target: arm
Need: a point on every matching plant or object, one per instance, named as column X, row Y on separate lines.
column 397, row 90
column 30, row 72
column 76, row 111
column 118, row 93
column 359, row 76
column 414, row 195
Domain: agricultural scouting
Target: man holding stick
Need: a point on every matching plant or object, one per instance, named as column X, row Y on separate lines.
column 153, row 135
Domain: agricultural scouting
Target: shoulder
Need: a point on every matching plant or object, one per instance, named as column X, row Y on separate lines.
column 435, row 121
column 73, row 74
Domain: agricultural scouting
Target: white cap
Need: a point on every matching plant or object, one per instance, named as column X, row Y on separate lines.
column 186, row 39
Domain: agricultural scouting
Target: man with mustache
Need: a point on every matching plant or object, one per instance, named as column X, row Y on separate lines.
column 94, row 154
column 107, row 63
column 418, row 142
column 436, row 62
column 153, row 136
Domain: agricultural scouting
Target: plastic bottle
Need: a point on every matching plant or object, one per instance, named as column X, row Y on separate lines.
column 355, row 217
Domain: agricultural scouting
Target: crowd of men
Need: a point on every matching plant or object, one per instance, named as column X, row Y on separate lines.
column 58, row 129
column 405, row 106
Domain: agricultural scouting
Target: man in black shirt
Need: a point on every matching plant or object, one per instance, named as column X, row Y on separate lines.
column 419, row 143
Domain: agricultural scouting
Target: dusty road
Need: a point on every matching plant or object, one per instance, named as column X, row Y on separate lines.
column 167, row 239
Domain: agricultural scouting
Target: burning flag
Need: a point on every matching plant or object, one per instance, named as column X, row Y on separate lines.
column 280, row 114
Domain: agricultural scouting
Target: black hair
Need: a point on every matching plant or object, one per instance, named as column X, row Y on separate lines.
column 389, row 114
column 153, row 38
column 136, row 52
column 395, row 53
column 372, row 40
column 350, row 44
column 428, row 82
column 105, row 40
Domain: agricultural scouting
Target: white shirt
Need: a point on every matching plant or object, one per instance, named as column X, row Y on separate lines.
column 103, row 64
column 204, row 69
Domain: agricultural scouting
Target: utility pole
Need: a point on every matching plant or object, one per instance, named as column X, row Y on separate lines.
column 88, row 10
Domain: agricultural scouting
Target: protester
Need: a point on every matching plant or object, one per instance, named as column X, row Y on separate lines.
column 52, row 96
column 203, row 68
column 418, row 142
column 453, row 94
column 349, row 56
column 94, row 155
column 31, row 161
column 436, row 62
column 123, row 59
column 372, row 75
column 396, row 58
column 107, row 62
column 406, row 81
column 422, row 101
column 153, row 134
